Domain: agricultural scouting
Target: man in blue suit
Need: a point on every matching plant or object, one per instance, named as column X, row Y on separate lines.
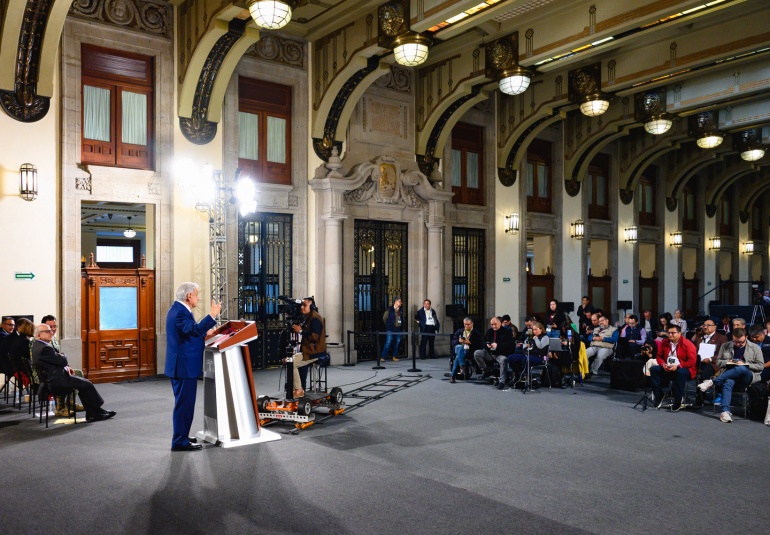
column 184, row 359
column 428, row 321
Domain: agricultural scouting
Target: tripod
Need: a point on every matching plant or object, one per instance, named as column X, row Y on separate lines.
column 528, row 383
column 759, row 312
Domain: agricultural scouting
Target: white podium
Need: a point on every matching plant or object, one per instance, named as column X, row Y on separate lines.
column 230, row 414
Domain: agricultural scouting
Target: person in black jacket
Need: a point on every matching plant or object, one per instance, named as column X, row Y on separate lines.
column 498, row 345
column 55, row 367
column 555, row 316
column 393, row 324
column 466, row 339
column 427, row 318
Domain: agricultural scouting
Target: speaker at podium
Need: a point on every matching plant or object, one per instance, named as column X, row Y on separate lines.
column 230, row 413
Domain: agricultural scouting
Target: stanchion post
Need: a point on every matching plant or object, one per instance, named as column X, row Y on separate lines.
column 414, row 369
column 347, row 352
column 378, row 366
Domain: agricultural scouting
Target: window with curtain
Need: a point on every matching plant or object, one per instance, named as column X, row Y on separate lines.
column 264, row 131
column 117, row 97
column 467, row 164
column 646, row 197
column 688, row 209
column 597, row 187
column 539, row 177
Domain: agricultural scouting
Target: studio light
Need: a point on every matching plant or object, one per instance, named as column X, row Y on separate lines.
column 270, row 14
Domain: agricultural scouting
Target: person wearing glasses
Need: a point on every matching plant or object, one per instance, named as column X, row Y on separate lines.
column 676, row 361
column 498, row 344
column 56, row 367
column 741, row 363
column 707, row 334
column 8, row 326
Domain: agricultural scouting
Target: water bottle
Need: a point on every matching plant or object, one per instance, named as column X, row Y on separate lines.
column 569, row 337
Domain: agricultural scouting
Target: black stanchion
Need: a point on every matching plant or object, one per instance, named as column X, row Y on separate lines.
column 347, row 352
column 414, row 355
column 378, row 366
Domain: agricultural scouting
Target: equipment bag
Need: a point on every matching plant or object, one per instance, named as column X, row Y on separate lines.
column 757, row 401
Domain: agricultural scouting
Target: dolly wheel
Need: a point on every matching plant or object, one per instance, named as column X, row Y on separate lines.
column 262, row 403
column 336, row 395
column 304, row 406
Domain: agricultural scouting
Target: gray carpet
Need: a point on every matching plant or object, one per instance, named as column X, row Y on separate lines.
column 434, row 458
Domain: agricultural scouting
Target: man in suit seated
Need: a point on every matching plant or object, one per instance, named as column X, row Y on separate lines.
column 707, row 334
column 55, row 366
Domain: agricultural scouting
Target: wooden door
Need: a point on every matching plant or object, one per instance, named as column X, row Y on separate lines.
column 648, row 293
column 599, row 290
column 690, row 288
column 118, row 323
column 539, row 294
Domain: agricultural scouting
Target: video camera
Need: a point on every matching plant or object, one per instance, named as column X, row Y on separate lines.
column 292, row 309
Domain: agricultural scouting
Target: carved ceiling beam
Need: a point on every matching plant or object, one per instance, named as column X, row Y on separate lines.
column 521, row 118
column 731, row 170
column 585, row 137
column 640, row 149
column 684, row 164
column 445, row 90
column 344, row 64
column 206, row 64
column 31, row 33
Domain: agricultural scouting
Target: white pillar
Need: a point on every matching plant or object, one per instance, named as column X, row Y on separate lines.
column 332, row 305
column 435, row 270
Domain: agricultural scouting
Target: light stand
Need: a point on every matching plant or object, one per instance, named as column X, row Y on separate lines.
column 528, row 383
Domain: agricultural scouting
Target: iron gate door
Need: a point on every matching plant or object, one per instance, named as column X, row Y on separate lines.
column 264, row 273
column 381, row 267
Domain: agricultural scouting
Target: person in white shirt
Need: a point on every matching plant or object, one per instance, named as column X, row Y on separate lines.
column 678, row 320
column 427, row 318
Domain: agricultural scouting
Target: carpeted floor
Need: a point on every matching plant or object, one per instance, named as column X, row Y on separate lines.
column 433, row 458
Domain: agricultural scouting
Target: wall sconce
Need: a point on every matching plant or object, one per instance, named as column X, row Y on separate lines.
column 704, row 127
column 503, row 65
column 409, row 48
column 512, row 223
column 650, row 109
column 129, row 232
column 749, row 144
column 585, row 86
column 748, row 247
column 270, row 14
column 630, row 234
column 578, row 229
column 676, row 239
column 715, row 243
column 28, row 182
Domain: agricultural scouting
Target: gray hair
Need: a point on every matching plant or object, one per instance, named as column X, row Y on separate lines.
column 467, row 318
column 184, row 289
column 39, row 328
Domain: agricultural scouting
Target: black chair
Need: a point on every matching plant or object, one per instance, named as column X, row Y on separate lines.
column 45, row 393
column 9, row 373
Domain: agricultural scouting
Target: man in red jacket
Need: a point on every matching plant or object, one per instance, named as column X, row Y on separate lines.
column 677, row 360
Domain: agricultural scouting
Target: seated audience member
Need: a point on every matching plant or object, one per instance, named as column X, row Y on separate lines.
column 635, row 334
column 522, row 335
column 741, row 364
column 647, row 322
column 725, row 326
column 506, row 320
column 757, row 335
column 767, row 327
column 737, row 323
column 55, row 366
column 585, row 306
column 535, row 350
column 603, row 342
column 17, row 346
column 676, row 361
column 555, row 316
column 588, row 334
column 707, row 334
column 661, row 331
column 679, row 320
column 649, row 354
column 465, row 340
column 498, row 344
column 564, row 359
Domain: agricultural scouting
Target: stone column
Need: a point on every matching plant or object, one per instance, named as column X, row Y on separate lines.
column 435, row 269
column 332, row 305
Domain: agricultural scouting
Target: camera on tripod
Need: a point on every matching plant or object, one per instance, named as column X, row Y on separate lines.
column 291, row 310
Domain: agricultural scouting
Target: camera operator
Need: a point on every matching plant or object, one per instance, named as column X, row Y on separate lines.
column 313, row 342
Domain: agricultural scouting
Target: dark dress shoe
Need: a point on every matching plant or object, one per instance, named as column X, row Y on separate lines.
column 187, row 447
column 193, row 440
column 99, row 416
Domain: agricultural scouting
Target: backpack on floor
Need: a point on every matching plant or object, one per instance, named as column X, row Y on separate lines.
column 757, row 401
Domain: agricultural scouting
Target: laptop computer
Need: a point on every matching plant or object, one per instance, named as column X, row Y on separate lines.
column 554, row 344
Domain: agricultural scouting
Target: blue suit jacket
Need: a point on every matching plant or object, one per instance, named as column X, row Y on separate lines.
column 185, row 342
